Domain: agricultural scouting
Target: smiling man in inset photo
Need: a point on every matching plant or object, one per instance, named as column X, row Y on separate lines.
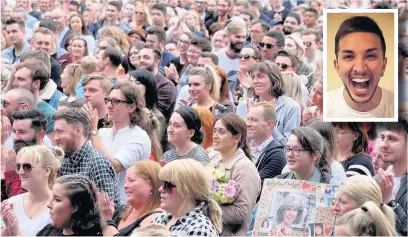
column 360, row 62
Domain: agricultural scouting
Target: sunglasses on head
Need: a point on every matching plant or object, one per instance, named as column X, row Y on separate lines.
column 167, row 185
column 283, row 65
column 27, row 167
column 246, row 56
column 307, row 44
column 268, row 46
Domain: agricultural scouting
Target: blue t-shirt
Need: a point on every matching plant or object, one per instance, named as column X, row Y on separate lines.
column 48, row 112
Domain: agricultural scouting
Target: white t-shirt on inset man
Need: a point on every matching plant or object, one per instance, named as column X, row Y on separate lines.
column 338, row 108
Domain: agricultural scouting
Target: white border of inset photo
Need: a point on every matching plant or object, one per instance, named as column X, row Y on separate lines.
column 327, row 64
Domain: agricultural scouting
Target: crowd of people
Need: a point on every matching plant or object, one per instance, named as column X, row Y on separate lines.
column 112, row 112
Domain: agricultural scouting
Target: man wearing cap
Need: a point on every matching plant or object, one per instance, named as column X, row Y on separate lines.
column 291, row 22
column 276, row 25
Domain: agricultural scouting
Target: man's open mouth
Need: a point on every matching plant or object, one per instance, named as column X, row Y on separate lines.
column 360, row 85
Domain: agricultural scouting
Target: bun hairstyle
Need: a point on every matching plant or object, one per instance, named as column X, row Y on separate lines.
column 192, row 120
column 152, row 127
column 369, row 220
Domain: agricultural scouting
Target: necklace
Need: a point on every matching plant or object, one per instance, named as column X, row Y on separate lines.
column 31, row 202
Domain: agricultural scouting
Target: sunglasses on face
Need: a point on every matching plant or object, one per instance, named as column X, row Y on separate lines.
column 283, row 65
column 268, row 46
column 167, row 186
column 246, row 56
column 27, row 167
column 307, row 44
column 114, row 102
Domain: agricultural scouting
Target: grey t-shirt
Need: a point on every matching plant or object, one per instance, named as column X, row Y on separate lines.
column 197, row 153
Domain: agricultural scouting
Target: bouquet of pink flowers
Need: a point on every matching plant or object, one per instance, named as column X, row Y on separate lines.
column 223, row 190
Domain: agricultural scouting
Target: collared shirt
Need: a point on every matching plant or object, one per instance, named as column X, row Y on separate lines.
column 48, row 112
column 93, row 164
column 194, row 223
column 128, row 145
column 258, row 150
column 60, row 37
column 9, row 53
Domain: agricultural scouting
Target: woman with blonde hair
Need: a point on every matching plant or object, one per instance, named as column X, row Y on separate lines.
column 368, row 220
column 5, row 40
column 104, row 43
column 142, row 185
column 217, row 41
column 204, row 89
column 294, row 45
column 117, row 34
column 207, row 126
column 141, row 18
column 185, row 195
column 70, row 78
column 37, row 167
column 316, row 99
column 357, row 190
column 292, row 87
column 151, row 230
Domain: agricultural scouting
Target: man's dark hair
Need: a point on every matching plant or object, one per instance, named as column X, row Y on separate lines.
column 49, row 24
column 249, row 13
column 311, row 9
column 295, row 15
column 280, row 37
column 293, row 58
column 12, row 21
column 201, row 42
column 37, row 56
column 114, row 56
column 160, row 7
column 74, row 3
column 74, row 116
column 382, row 5
column 156, row 52
column 400, row 127
column 116, row 4
column 358, row 24
column 213, row 57
column 38, row 71
column 38, row 120
column 257, row 52
column 264, row 25
column 159, row 32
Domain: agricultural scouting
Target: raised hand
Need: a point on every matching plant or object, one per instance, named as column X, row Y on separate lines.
column 10, row 160
column 106, row 206
column 92, row 115
column 244, row 79
column 5, row 129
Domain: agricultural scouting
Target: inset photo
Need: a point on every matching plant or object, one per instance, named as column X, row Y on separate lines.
column 360, row 65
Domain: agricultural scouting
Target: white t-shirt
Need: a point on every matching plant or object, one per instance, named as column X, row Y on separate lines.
column 129, row 145
column 29, row 227
column 338, row 108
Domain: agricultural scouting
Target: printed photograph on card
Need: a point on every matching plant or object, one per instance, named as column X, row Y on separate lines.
column 294, row 208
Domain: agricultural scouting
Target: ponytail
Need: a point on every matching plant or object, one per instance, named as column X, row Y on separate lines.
column 213, row 211
column 370, row 220
column 322, row 164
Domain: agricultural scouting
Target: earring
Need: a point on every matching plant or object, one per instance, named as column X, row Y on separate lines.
column 151, row 193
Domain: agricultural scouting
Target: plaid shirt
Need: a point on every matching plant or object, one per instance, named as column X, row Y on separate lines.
column 13, row 183
column 93, row 164
column 194, row 223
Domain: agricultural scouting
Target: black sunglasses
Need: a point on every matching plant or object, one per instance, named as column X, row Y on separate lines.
column 114, row 102
column 283, row 65
column 269, row 46
column 307, row 44
column 167, row 185
column 246, row 56
column 27, row 167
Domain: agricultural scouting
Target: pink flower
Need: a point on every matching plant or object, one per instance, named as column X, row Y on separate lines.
column 230, row 190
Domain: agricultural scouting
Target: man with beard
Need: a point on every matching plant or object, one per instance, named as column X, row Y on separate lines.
column 108, row 62
column 223, row 8
column 149, row 59
column 72, row 130
column 360, row 62
column 15, row 100
column 236, row 34
column 291, row 22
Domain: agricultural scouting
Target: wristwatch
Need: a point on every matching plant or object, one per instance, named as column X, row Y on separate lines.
column 95, row 132
column 393, row 204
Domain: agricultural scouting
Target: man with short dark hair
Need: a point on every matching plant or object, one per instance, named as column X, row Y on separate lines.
column 22, row 14
column 278, row 11
column 271, row 43
column 207, row 58
column 291, row 22
column 112, row 14
column 159, row 16
column 286, row 61
column 393, row 182
column 156, row 39
column 34, row 77
column 108, row 61
column 63, row 32
column 223, row 8
column 258, row 30
column 310, row 18
column 311, row 40
column 72, row 129
column 73, row 6
column 149, row 59
column 16, row 30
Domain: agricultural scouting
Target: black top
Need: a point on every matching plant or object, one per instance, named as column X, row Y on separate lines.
column 358, row 164
column 50, row 230
column 127, row 231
